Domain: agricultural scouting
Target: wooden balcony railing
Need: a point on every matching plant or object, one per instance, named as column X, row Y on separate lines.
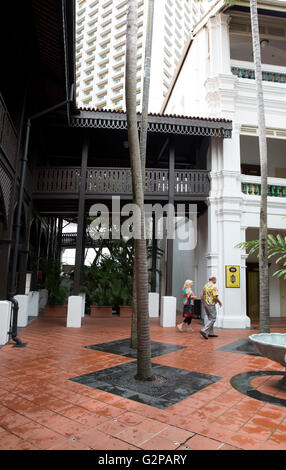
column 8, row 134
column 68, row 240
column 58, row 180
column 110, row 181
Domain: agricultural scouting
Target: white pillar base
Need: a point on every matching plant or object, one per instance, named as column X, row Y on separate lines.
column 74, row 311
column 33, row 304
column 232, row 322
column 82, row 295
column 5, row 314
column 23, row 310
column 153, row 304
column 43, row 298
column 168, row 311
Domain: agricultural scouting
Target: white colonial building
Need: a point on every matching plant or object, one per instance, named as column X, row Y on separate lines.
column 215, row 78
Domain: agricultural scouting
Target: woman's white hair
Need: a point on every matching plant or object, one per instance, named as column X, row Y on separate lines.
column 187, row 283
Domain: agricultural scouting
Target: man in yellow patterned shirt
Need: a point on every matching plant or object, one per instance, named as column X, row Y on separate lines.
column 209, row 299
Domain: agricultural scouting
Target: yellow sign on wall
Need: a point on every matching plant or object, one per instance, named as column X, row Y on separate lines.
column 232, row 276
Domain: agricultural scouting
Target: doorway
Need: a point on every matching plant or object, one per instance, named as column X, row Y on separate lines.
column 252, row 290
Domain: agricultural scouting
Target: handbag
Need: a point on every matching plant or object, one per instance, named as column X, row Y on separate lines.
column 188, row 311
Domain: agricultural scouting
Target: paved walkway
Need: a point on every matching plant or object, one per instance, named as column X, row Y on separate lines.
column 40, row 408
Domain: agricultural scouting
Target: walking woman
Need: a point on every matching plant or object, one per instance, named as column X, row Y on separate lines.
column 188, row 312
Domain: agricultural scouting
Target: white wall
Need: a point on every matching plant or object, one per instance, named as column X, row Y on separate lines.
column 192, row 263
column 202, row 277
column 188, row 96
column 183, row 269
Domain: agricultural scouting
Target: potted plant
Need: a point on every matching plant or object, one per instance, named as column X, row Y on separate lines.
column 125, row 297
column 100, row 303
column 56, row 304
column 108, row 281
column 97, row 289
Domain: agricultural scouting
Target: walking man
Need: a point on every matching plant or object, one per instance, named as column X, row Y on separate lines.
column 209, row 299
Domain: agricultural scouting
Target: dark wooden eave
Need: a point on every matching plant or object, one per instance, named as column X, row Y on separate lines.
column 37, row 52
column 164, row 124
column 54, row 42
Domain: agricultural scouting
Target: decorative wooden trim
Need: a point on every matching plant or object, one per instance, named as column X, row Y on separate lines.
column 156, row 124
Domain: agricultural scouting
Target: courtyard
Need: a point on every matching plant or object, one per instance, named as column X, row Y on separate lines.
column 73, row 389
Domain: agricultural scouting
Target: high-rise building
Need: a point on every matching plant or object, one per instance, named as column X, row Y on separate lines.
column 100, row 49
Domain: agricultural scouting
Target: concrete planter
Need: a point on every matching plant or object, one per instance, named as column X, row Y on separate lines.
column 153, row 304
column 43, row 298
column 23, row 310
column 168, row 311
column 83, row 297
column 74, row 313
column 33, row 303
column 5, row 314
column 126, row 311
column 101, row 311
column 56, row 311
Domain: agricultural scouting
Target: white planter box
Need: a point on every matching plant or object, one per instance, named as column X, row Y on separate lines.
column 74, row 311
column 33, row 303
column 82, row 295
column 43, row 298
column 23, row 310
column 168, row 311
column 5, row 314
column 153, row 304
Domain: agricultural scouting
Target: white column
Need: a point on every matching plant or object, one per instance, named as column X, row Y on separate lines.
column 213, row 205
column 225, row 230
column 219, row 45
column 221, row 83
column 5, row 314
column 231, row 233
column 74, row 311
column 244, row 287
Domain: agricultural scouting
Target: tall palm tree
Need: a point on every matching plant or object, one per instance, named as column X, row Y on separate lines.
column 143, row 144
column 144, row 366
column 263, row 249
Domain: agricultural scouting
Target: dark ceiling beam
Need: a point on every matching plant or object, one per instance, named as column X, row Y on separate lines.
column 165, row 145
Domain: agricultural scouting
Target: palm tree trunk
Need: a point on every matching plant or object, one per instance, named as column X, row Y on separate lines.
column 144, row 366
column 263, row 251
column 134, row 341
column 146, row 86
column 143, row 144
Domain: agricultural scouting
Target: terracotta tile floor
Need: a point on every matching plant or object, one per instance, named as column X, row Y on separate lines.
column 40, row 408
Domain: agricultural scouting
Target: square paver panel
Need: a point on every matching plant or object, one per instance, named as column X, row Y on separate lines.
column 171, row 386
column 242, row 346
column 122, row 348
